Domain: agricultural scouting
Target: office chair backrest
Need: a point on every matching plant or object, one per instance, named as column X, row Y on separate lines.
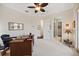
column 5, row 40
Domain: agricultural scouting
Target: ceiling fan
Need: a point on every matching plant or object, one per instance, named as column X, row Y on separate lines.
column 38, row 7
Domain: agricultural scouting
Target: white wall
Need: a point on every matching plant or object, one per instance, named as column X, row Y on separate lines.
column 78, row 29
column 66, row 17
column 31, row 22
column 9, row 15
column 76, row 26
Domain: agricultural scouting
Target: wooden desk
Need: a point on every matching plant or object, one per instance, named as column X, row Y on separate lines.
column 22, row 47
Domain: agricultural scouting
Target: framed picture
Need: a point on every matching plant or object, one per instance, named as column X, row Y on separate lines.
column 74, row 23
column 15, row 26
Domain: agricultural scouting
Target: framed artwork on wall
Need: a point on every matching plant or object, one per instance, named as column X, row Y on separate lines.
column 74, row 24
column 15, row 26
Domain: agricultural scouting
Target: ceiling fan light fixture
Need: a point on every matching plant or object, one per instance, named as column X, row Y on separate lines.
column 38, row 8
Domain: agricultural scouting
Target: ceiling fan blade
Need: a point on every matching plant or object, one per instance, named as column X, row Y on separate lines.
column 42, row 10
column 44, row 4
column 30, row 7
column 36, row 3
column 36, row 11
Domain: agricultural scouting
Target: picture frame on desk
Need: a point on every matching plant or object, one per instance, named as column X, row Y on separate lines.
column 15, row 26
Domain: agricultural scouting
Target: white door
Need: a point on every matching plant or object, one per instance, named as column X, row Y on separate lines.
column 47, row 29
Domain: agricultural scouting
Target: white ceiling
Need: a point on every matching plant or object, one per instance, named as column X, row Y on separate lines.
column 50, row 9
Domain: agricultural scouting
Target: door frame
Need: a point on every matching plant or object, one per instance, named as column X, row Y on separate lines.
column 76, row 28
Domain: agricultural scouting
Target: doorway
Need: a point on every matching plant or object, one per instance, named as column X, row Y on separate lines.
column 58, row 29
